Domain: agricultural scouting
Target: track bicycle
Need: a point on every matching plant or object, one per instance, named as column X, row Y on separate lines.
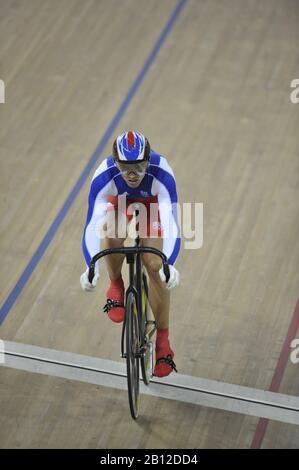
column 138, row 330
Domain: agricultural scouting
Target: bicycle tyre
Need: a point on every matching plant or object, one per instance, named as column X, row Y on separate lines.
column 132, row 354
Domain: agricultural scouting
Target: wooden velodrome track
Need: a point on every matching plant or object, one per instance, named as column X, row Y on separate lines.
column 214, row 97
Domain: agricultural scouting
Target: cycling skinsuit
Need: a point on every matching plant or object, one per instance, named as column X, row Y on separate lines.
column 158, row 186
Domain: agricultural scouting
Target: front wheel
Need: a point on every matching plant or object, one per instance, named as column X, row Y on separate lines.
column 132, row 354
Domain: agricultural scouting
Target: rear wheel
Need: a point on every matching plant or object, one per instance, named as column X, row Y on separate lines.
column 146, row 359
column 146, row 362
column 132, row 354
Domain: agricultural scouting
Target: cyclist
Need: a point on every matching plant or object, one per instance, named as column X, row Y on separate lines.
column 135, row 172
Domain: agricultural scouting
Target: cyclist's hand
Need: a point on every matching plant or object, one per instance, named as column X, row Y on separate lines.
column 85, row 284
column 174, row 277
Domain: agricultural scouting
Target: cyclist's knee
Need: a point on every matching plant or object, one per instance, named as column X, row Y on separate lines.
column 115, row 227
column 151, row 262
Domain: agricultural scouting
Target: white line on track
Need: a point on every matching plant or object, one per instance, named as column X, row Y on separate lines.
column 184, row 388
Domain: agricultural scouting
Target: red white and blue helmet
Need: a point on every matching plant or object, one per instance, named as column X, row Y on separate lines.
column 131, row 147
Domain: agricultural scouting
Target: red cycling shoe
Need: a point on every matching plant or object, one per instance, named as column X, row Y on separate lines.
column 164, row 361
column 115, row 301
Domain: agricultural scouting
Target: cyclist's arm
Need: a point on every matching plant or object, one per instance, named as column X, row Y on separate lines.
column 165, row 188
column 102, row 185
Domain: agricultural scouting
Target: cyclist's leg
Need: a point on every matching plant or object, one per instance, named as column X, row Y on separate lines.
column 115, row 292
column 112, row 240
column 159, row 298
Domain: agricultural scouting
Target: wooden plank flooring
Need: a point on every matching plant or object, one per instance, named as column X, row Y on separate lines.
column 216, row 102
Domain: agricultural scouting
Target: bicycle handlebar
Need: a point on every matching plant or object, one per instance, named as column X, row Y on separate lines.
column 128, row 250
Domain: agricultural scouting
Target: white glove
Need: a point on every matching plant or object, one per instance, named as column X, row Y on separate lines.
column 174, row 278
column 85, row 284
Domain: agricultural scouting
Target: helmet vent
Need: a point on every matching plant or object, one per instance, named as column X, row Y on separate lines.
column 131, row 140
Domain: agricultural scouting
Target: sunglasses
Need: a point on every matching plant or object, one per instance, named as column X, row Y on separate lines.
column 127, row 168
